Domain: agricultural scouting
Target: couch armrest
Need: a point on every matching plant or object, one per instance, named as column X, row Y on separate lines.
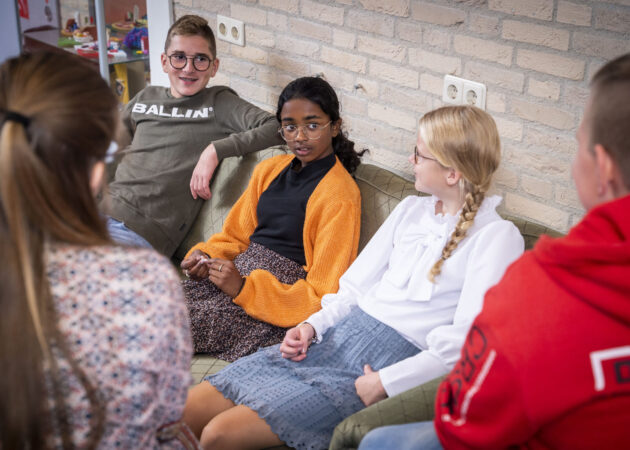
column 414, row 405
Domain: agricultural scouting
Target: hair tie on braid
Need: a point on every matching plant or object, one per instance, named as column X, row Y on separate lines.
column 16, row 117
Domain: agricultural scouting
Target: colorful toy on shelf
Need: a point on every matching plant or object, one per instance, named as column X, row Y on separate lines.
column 90, row 50
column 134, row 38
column 71, row 26
column 82, row 36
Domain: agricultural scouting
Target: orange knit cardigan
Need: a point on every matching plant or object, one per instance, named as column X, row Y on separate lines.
column 331, row 240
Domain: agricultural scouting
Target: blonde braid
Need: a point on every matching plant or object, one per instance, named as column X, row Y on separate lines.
column 472, row 202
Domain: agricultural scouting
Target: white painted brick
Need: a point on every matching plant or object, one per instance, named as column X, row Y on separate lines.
column 393, row 7
column 344, row 39
column 223, row 48
column 436, row 38
column 289, row 64
column 539, row 164
column 290, row 6
column 253, row 54
column 348, row 61
column 552, row 64
column 339, row 79
column 250, row 91
column 313, row 30
column 369, row 22
column 599, row 46
column 431, row 84
column 381, row 48
column 538, row 9
column 395, row 161
column 409, row 31
column 537, row 187
column 575, row 95
column 509, row 129
column 238, row 67
column 220, row 79
column 482, row 24
column 550, row 142
column 439, row 15
column 366, row 87
column 616, row 19
column 537, row 211
column 276, row 21
column 273, row 78
column 547, row 36
column 248, row 14
column 292, row 45
column 483, row 49
column 213, row 6
column 544, row 89
column 509, row 79
column 495, row 102
column 260, row 37
column 395, row 74
column 506, row 177
column 568, row 197
column 395, row 138
column 435, row 61
column 574, row 14
column 547, row 115
column 410, row 99
column 353, row 105
column 324, row 13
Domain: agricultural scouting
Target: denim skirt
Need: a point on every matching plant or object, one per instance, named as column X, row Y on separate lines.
column 303, row 401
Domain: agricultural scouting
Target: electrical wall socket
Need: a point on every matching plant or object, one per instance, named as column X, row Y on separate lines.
column 231, row 30
column 459, row 91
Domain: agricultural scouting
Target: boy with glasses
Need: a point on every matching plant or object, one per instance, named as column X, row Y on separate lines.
column 178, row 136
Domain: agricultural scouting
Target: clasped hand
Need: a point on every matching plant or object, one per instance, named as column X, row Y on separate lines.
column 296, row 342
column 221, row 272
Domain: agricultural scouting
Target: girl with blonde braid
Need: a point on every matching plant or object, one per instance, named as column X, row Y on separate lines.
column 401, row 313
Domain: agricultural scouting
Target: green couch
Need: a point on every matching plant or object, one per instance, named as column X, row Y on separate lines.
column 381, row 190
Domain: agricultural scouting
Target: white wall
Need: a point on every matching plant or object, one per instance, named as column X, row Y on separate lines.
column 9, row 32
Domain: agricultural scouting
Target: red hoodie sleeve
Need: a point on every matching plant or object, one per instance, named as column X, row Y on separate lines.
column 479, row 404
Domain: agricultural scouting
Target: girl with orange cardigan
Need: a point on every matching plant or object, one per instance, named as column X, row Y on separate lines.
column 287, row 240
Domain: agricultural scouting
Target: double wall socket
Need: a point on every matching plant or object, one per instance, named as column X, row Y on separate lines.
column 231, row 30
column 458, row 91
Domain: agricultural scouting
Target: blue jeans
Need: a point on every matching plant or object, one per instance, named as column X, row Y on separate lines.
column 124, row 236
column 410, row 436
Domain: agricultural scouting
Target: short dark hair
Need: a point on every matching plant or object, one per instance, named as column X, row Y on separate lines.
column 609, row 112
column 191, row 25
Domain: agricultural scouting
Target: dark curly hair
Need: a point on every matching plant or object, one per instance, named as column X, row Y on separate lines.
column 321, row 93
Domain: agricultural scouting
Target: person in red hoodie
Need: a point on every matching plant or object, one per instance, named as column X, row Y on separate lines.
column 546, row 364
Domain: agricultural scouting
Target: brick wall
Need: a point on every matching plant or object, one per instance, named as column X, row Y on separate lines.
column 387, row 60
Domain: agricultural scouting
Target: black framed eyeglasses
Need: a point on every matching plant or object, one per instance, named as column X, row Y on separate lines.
column 417, row 157
column 179, row 60
column 312, row 131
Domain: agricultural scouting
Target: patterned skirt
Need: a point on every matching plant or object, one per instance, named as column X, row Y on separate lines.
column 303, row 401
column 223, row 329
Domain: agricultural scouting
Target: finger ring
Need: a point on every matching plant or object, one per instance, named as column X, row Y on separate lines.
column 220, row 267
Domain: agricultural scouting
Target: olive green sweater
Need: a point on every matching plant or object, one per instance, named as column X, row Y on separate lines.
column 150, row 189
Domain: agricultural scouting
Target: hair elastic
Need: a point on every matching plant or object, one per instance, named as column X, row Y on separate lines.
column 16, row 117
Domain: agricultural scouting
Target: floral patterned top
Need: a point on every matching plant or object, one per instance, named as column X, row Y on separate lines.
column 122, row 313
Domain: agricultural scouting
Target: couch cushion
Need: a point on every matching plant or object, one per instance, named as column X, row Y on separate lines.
column 229, row 182
column 381, row 191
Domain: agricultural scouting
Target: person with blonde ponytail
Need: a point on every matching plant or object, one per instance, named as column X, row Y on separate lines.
column 94, row 340
column 401, row 313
